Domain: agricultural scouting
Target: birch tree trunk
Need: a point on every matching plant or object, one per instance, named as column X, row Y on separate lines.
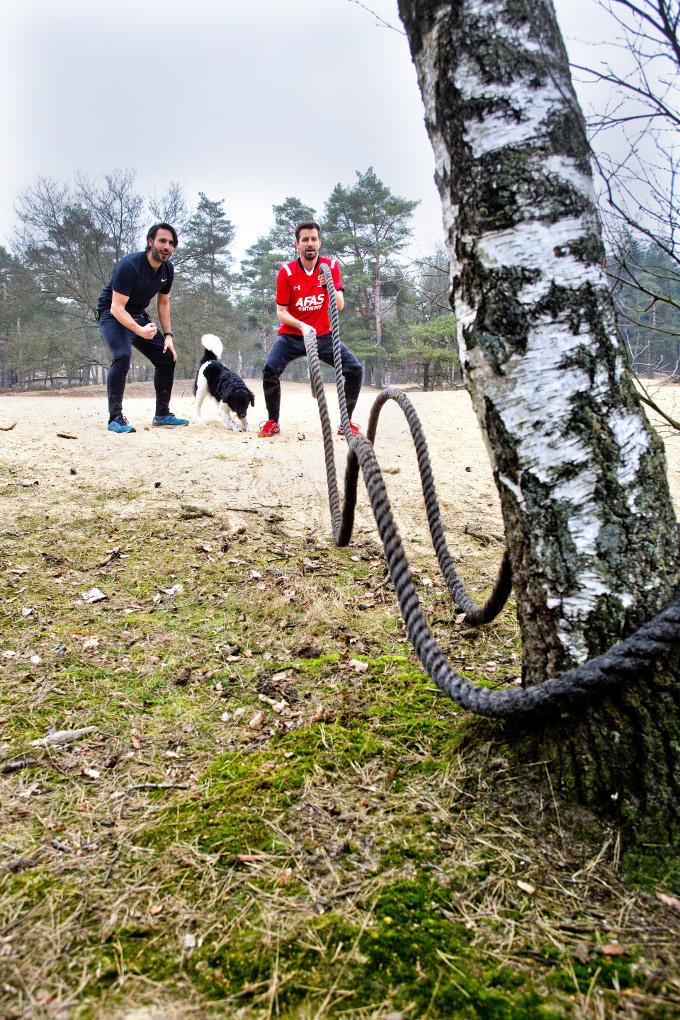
column 378, row 299
column 581, row 475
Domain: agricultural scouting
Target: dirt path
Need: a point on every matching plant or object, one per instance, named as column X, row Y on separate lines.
column 218, row 469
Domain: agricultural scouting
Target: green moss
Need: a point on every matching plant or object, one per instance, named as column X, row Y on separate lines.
column 225, row 966
column 241, row 792
column 655, row 868
column 610, row 973
column 335, row 746
column 367, row 830
column 400, row 955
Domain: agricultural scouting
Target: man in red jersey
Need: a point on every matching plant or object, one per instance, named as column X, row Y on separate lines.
column 302, row 308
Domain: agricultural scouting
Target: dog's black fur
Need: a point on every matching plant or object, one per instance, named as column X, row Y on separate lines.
column 227, row 388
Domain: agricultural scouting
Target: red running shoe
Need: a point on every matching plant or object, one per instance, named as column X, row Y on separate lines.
column 354, row 429
column 269, row 429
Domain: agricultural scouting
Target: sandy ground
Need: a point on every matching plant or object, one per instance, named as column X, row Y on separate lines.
column 231, row 473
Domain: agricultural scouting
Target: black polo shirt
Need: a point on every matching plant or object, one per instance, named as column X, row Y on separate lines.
column 134, row 276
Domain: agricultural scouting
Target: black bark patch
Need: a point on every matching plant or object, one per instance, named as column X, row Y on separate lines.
column 513, row 182
column 565, row 133
column 501, row 326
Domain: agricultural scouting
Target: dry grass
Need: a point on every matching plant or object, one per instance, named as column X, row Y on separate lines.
column 362, row 850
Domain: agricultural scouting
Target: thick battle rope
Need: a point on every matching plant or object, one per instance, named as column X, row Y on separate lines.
column 627, row 659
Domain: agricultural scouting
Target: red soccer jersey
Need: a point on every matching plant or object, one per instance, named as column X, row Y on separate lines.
column 304, row 294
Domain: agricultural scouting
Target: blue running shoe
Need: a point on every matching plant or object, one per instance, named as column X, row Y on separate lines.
column 120, row 424
column 169, row 419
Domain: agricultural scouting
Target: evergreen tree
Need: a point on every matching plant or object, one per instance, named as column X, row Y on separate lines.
column 366, row 226
column 431, row 346
column 287, row 215
column 647, row 293
column 207, row 239
column 201, row 290
column 260, row 267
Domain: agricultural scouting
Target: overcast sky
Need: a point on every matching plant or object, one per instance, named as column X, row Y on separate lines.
column 246, row 100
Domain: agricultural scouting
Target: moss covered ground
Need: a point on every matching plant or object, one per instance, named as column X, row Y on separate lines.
column 275, row 813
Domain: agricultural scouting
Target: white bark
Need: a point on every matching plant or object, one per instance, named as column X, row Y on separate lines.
column 536, row 328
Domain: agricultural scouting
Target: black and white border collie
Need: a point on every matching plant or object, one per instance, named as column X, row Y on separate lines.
column 228, row 389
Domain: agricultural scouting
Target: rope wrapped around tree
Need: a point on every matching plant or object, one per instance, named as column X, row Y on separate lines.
column 625, row 660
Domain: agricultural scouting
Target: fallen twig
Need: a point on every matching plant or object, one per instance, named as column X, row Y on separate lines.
column 474, row 531
column 114, row 554
column 8, row 428
column 15, row 766
column 157, row 786
column 107, row 876
column 20, row 863
column 62, row 737
column 190, row 511
column 58, row 845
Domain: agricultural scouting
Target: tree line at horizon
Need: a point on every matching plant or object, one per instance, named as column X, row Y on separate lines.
column 397, row 317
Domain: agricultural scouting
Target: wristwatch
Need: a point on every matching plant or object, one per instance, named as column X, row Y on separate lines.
column 166, row 335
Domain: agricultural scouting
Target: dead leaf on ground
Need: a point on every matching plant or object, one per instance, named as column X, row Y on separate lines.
column 307, row 652
column 613, row 949
column 669, row 901
column 322, row 714
column 358, row 666
column 276, row 706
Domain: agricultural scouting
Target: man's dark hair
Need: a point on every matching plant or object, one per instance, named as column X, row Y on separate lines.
column 306, row 225
column 160, row 226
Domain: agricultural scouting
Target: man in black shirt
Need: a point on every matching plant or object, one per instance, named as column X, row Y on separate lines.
column 124, row 324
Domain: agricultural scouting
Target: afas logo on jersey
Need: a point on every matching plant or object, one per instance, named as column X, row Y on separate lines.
column 313, row 303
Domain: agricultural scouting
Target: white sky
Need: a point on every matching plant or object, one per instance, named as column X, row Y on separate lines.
column 247, row 101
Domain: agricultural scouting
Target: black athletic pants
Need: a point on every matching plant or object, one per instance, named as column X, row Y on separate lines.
column 120, row 342
column 289, row 346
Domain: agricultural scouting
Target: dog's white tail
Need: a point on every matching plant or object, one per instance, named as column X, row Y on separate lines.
column 213, row 344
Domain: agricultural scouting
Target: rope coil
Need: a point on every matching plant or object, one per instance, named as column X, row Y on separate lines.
column 627, row 659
